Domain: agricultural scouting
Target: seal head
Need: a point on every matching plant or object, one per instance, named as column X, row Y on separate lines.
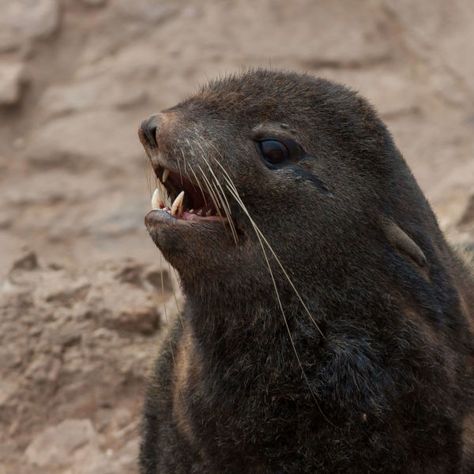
column 302, row 160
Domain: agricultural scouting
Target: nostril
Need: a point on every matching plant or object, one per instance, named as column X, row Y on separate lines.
column 149, row 127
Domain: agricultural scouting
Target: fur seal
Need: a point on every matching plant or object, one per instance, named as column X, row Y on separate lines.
column 327, row 324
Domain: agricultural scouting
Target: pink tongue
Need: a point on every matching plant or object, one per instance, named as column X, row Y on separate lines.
column 187, row 216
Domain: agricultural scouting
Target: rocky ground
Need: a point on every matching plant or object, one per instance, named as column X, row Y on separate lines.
column 84, row 295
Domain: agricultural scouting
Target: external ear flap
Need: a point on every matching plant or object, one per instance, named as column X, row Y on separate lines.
column 403, row 242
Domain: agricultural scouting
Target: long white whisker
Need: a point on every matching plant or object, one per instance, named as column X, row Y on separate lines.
column 209, row 189
column 222, row 205
column 222, row 195
column 199, row 183
column 280, row 304
column 232, row 188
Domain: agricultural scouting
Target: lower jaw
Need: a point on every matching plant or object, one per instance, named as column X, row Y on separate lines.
column 192, row 246
column 187, row 238
column 162, row 215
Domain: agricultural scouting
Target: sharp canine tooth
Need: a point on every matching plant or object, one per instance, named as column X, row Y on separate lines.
column 199, row 213
column 166, row 173
column 208, row 213
column 155, row 199
column 177, row 207
column 191, row 211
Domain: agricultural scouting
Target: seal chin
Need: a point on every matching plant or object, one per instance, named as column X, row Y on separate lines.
column 188, row 244
column 156, row 217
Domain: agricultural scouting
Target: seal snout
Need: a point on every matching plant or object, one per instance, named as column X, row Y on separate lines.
column 148, row 132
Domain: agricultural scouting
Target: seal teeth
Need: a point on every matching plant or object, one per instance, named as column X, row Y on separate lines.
column 155, row 199
column 166, row 173
column 177, row 207
column 160, row 197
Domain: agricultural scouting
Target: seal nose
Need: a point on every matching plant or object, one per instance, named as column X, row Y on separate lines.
column 148, row 130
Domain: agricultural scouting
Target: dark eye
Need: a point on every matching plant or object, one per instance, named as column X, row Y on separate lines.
column 273, row 151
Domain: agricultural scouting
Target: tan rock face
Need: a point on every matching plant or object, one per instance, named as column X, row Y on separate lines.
column 57, row 443
column 78, row 340
column 22, row 21
column 467, row 217
column 11, row 80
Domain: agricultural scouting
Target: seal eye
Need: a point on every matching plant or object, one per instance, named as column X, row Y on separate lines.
column 273, row 151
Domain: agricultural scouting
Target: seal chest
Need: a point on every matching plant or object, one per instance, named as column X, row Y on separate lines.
column 326, row 325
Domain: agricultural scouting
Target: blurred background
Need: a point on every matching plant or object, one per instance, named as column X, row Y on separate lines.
column 81, row 285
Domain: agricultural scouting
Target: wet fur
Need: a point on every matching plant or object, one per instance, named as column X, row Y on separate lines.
column 388, row 386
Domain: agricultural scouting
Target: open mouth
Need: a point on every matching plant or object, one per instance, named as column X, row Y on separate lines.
column 183, row 199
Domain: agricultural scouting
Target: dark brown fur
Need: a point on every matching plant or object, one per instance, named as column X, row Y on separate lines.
column 388, row 385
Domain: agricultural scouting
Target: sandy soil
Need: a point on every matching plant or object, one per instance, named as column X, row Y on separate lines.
column 84, row 295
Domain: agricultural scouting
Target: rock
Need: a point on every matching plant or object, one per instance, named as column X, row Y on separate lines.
column 11, row 79
column 7, row 389
column 94, row 3
column 44, row 368
column 69, row 294
column 57, row 444
column 144, row 320
column 91, row 460
column 442, row 33
column 131, row 273
column 28, row 262
column 107, row 223
column 160, row 280
column 149, row 11
column 468, row 214
column 313, row 44
column 128, row 455
column 127, row 311
column 89, row 94
column 119, row 79
column 392, row 90
column 78, row 142
column 24, row 20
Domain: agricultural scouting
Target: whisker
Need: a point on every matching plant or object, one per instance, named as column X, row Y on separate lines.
column 223, row 202
column 208, row 188
column 280, row 304
column 225, row 205
column 221, row 194
column 178, row 162
column 201, row 187
column 285, row 319
column 287, row 276
column 197, row 179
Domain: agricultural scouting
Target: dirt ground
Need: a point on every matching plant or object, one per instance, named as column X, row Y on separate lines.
column 84, row 294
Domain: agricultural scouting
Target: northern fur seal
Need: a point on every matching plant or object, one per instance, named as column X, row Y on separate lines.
column 327, row 323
